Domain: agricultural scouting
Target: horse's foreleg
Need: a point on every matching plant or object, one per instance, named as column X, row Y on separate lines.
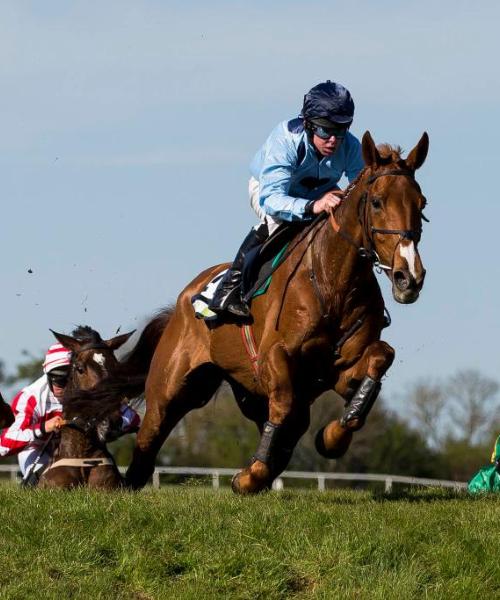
column 158, row 422
column 280, row 432
column 166, row 405
column 360, row 386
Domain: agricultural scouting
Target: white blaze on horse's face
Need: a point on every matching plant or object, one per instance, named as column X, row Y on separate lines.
column 408, row 252
column 99, row 359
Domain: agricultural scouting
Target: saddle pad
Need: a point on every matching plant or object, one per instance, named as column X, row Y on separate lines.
column 201, row 301
column 265, row 268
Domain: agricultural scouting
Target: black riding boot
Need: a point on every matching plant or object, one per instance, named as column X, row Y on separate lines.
column 228, row 296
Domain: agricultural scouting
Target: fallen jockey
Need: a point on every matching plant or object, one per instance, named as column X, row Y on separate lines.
column 487, row 479
column 37, row 410
column 295, row 177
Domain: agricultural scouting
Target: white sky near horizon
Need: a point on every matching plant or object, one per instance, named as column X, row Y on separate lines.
column 128, row 128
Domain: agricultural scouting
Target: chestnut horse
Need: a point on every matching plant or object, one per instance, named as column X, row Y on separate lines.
column 317, row 328
column 93, row 417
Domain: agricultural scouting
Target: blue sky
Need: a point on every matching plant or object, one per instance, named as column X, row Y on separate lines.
column 128, row 127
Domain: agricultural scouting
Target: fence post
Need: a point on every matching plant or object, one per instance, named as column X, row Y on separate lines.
column 215, row 480
column 388, row 485
column 321, row 483
column 156, row 480
column 278, row 484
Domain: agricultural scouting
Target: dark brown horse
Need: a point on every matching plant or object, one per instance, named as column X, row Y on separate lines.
column 92, row 417
column 318, row 327
column 6, row 414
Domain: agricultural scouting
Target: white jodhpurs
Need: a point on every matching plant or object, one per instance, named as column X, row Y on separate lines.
column 254, row 194
column 28, row 456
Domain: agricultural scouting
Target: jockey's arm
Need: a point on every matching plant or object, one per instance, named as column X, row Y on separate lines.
column 130, row 419
column 26, row 427
column 279, row 163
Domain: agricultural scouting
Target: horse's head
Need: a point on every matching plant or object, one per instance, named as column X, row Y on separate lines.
column 93, row 358
column 392, row 206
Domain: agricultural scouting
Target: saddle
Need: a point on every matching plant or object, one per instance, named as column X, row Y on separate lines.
column 261, row 261
column 257, row 270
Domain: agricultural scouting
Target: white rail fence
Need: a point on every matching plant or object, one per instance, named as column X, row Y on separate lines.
column 321, row 478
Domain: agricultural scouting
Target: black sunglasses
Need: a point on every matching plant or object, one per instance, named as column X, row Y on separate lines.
column 325, row 133
column 57, row 380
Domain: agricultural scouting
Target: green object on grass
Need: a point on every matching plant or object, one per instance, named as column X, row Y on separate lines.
column 487, row 479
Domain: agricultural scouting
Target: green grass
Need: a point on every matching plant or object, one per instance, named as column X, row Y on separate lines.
column 192, row 542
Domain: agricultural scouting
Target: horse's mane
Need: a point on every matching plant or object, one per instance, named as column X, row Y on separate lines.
column 101, row 401
column 393, row 153
column 85, row 334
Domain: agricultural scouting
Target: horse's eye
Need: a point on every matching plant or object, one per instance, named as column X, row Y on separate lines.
column 376, row 203
column 80, row 369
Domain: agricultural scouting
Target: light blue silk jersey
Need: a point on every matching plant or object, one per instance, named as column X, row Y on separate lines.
column 291, row 173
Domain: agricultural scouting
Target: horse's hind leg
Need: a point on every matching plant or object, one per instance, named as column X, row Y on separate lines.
column 164, row 409
column 359, row 386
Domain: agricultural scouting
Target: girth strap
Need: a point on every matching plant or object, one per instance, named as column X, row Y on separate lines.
column 250, row 345
column 81, row 462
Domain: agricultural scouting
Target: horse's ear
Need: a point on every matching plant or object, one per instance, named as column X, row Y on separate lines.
column 119, row 340
column 67, row 341
column 370, row 153
column 418, row 155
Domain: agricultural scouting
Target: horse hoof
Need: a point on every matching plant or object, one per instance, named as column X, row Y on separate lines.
column 238, row 486
column 333, row 440
column 244, row 483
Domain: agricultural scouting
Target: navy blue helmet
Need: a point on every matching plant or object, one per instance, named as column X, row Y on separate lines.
column 330, row 101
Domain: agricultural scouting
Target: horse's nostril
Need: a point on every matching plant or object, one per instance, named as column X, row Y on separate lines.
column 401, row 281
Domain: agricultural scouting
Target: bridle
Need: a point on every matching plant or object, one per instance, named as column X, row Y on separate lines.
column 82, row 425
column 367, row 250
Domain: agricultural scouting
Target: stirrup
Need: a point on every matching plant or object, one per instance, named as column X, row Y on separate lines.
column 239, row 309
column 231, row 303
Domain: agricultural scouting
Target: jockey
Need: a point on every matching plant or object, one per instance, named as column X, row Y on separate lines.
column 38, row 412
column 295, row 175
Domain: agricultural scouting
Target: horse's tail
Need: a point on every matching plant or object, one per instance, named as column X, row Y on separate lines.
column 137, row 361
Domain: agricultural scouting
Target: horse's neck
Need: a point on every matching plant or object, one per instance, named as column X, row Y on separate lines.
column 75, row 444
column 337, row 264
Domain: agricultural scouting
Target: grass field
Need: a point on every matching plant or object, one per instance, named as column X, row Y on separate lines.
column 192, row 542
